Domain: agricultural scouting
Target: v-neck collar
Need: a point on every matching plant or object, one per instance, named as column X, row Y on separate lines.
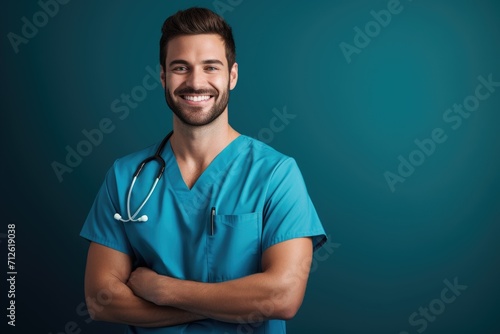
column 209, row 175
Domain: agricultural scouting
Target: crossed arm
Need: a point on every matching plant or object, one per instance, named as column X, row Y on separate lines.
column 144, row 298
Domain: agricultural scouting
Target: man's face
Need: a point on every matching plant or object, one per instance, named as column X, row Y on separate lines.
column 197, row 79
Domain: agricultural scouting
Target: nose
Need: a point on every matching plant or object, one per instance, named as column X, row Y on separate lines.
column 195, row 78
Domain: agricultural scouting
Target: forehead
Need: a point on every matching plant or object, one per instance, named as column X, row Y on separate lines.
column 196, row 48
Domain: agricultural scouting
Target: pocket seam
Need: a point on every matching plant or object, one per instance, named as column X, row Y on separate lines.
column 235, row 221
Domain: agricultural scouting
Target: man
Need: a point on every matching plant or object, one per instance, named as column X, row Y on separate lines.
column 230, row 230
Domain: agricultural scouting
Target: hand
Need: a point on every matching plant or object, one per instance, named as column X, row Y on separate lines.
column 145, row 283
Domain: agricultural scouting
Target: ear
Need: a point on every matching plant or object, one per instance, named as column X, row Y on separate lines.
column 162, row 76
column 233, row 76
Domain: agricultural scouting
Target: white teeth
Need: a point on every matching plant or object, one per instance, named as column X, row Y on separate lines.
column 196, row 98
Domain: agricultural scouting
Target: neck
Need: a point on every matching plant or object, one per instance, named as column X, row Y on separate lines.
column 198, row 146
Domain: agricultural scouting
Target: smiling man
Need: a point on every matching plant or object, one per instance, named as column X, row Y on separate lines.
column 230, row 230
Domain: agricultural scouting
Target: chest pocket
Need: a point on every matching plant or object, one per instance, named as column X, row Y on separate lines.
column 233, row 250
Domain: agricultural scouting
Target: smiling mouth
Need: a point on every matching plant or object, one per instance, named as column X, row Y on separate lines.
column 196, row 98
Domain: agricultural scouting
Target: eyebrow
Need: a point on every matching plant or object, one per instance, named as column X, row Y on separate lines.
column 205, row 62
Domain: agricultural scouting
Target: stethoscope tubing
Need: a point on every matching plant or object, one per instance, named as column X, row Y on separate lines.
column 156, row 157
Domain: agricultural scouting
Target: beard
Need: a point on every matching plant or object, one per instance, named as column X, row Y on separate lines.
column 193, row 115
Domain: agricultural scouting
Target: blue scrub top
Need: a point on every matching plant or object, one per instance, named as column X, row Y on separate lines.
column 260, row 200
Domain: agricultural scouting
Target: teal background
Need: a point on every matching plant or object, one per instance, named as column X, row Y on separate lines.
column 394, row 249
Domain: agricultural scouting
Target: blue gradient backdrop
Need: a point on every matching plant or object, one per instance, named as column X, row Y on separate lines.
column 352, row 122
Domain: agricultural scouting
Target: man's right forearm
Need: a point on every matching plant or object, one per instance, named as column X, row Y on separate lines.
column 119, row 304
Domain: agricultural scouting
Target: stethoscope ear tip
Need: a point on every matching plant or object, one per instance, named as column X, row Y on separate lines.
column 143, row 218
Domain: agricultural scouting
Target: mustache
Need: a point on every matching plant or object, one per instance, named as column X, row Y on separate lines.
column 192, row 91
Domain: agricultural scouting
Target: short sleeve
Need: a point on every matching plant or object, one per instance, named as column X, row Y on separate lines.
column 289, row 212
column 100, row 225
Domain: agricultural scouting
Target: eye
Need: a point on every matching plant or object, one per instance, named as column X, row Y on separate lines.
column 180, row 69
column 211, row 68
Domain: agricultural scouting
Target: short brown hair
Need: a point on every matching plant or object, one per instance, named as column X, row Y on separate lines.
column 195, row 21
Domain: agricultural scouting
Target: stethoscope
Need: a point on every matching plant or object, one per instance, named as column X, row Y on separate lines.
column 157, row 157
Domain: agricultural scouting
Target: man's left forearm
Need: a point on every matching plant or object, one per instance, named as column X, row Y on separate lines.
column 250, row 299
column 275, row 293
